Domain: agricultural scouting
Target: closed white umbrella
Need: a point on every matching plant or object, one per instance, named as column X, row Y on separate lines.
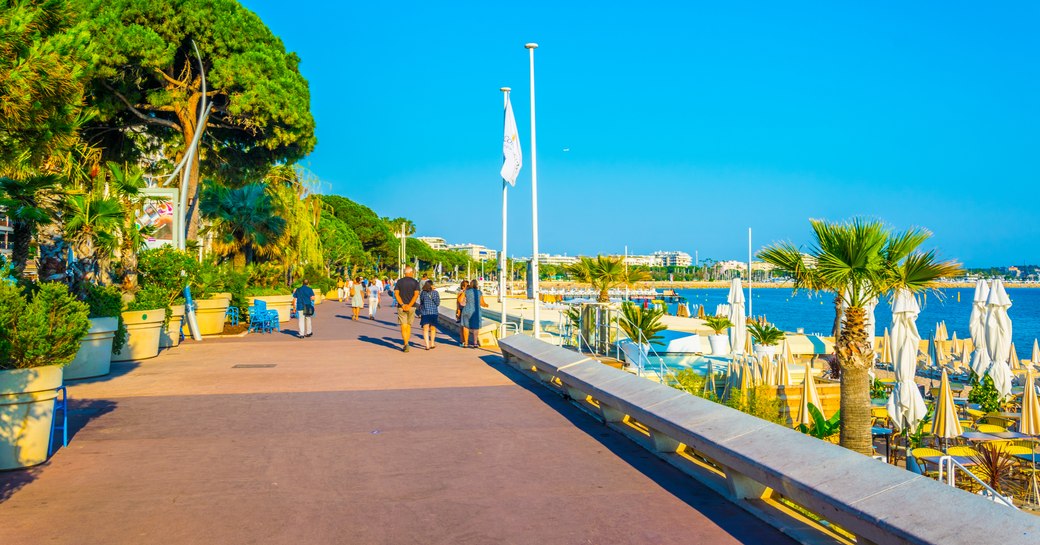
column 906, row 406
column 977, row 326
column 1036, row 352
column 998, row 337
column 738, row 332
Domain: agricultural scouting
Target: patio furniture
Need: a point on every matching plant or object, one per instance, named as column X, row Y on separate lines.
column 262, row 319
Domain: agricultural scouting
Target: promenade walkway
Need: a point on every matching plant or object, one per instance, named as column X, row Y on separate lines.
column 342, row 438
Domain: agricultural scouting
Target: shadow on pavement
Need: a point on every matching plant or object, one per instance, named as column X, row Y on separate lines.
column 118, row 369
column 80, row 413
column 728, row 516
column 384, row 341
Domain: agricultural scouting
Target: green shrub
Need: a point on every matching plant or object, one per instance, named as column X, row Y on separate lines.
column 756, row 402
column 45, row 330
column 984, row 393
column 168, row 270
column 151, row 298
column 260, row 291
column 107, row 302
column 719, row 324
column 765, row 334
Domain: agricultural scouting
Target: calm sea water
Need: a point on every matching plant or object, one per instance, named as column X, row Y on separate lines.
column 816, row 313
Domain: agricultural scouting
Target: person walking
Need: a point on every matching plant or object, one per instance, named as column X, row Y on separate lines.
column 406, row 292
column 471, row 314
column 349, row 287
column 390, row 291
column 460, row 301
column 341, row 289
column 357, row 297
column 304, row 297
column 373, row 299
column 429, row 304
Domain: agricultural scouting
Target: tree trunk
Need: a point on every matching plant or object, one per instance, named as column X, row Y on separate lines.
column 238, row 260
column 854, row 354
column 21, row 238
column 836, row 328
column 604, row 295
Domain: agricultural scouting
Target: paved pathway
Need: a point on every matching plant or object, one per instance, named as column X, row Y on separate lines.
column 348, row 440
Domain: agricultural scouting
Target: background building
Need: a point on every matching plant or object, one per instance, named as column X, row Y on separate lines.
column 5, row 236
column 435, row 243
column 674, row 259
column 474, row 251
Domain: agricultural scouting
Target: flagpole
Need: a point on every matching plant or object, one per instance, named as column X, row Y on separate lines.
column 749, row 278
column 537, row 326
column 502, row 258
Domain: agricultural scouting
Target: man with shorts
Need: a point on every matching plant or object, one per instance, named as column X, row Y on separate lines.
column 406, row 293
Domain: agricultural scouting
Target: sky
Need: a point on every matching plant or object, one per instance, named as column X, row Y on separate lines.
column 678, row 126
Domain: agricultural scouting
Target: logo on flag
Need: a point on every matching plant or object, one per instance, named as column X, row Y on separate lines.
column 512, row 159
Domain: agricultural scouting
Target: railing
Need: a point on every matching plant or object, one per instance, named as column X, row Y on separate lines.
column 642, row 358
column 948, row 465
column 810, row 489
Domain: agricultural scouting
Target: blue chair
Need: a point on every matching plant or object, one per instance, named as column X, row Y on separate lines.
column 259, row 320
column 60, row 404
column 232, row 315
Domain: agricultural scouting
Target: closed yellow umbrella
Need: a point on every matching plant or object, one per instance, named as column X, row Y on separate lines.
column 1013, row 358
column 945, row 423
column 748, row 349
column 886, row 353
column 1030, row 423
column 809, row 395
column 783, row 373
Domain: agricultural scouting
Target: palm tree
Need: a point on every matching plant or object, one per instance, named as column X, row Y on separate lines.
column 604, row 273
column 28, row 203
column 92, row 226
column 245, row 221
column 859, row 261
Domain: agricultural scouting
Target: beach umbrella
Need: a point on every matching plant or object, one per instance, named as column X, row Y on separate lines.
column 977, row 320
column 945, row 423
column 1013, row 360
column 905, row 406
column 709, row 383
column 700, row 312
column 783, row 373
column 747, row 381
column 886, row 349
column 1036, row 352
column 933, row 354
column 809, row 395
column 1030, row 423
column 738, row 332
column 998, row 337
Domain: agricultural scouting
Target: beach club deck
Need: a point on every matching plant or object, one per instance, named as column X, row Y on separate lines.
column 342, row 438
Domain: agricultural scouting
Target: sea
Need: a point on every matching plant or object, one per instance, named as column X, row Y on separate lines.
column 815, row 313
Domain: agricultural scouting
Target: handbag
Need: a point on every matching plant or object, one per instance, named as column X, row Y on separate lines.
column 308, row 310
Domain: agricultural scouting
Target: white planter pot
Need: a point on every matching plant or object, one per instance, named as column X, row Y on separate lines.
column 765, row 351
column 94, row 358
column 719, row 345
column 26, row 414
column 142, row 339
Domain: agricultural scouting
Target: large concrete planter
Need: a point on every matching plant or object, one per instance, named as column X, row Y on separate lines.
column 26, row 414
column 281, row 303
column 143, row 328
column 94, row 358
column 210, row 315
column 170, row 335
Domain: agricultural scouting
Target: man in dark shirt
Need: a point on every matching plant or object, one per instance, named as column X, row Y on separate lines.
column 304, row 296
column 406, row 293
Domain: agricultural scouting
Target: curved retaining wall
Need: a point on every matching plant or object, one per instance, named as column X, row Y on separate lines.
column 760, row 461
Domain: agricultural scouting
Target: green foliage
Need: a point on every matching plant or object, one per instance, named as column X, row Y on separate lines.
column 877, row 389
column 693, row 383
column 168, row 270
column 366, row 224
column 29, row 203
column 245, row 222
column 916, row 437
column 718, row 324
column 984, row 394
column 641, row 324
column 107, row 302
column 260, row 291
column 765, row 334
column 42, row 67
column 149, row 298
column 604, row 273
column 144, row 57
column 266, row 275
column 821, row 428
column 341, row 244
column 45, row 330
column 222, row 279
column 756, row 402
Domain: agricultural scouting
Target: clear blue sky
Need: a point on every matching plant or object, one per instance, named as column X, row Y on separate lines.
column 685, row 124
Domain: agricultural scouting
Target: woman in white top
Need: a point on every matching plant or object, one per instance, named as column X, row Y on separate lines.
column 373, row 299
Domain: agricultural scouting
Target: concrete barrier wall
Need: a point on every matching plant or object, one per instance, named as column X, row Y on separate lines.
column 757, row 461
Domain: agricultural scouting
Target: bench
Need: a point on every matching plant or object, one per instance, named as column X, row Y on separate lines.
column 761, row 462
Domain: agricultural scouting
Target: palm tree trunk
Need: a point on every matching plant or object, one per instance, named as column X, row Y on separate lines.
column 854, row 354
column 21, row 238
column 836, row 328
column 604, row 295
column 238, row 261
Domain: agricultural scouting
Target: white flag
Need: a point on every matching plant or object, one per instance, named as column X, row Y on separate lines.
column 512, row 159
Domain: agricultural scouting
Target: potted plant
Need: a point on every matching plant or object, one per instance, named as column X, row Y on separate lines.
column 642, row 327
column 168, row 270
column 719, row 341
column 211, row 299
column 106, row 336
column 145, row 318
column 766, row 337
column 38, row 336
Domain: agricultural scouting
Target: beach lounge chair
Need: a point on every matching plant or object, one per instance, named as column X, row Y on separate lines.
column 921, row 452
column 962, row 451
column 989, row 428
